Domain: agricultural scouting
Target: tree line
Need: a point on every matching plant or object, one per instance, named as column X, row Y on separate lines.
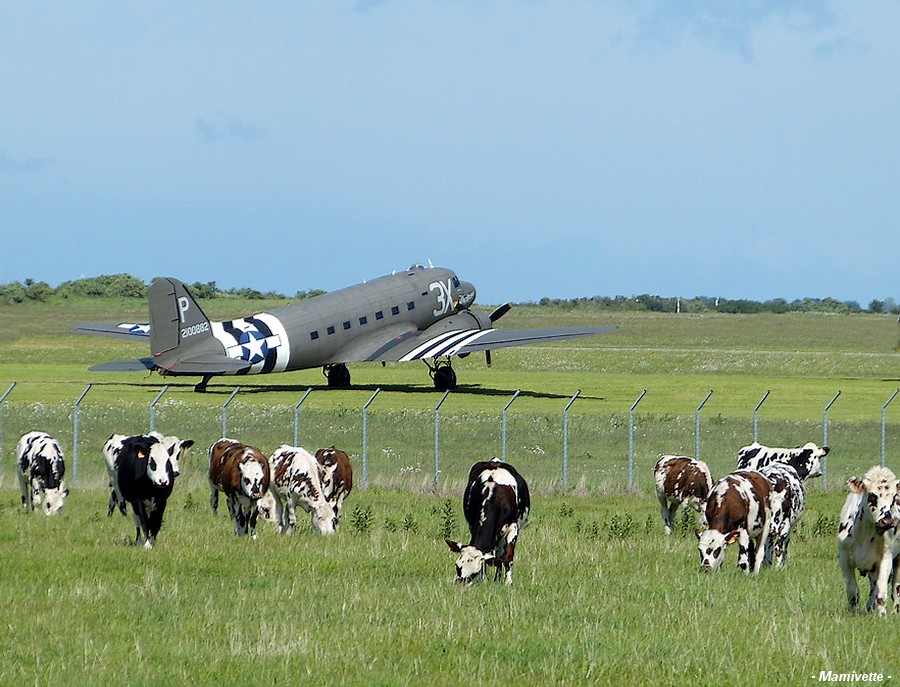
column 127, row 286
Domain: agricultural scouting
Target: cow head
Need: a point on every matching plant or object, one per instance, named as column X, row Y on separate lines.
column 253, row 476
column 54, row 499
column 471, row 564
column 880, row 491
column 175, row 447
column 809, row 462
column 159, row 463
column 323, row 518
column 712, row 544
column 267, row 508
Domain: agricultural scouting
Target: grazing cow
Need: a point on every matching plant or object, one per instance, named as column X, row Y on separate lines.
column 242, row 473
column 41, row 469
column 806, row 459
column 143, row 475
column 496, row 505
column 174, row 446
column 295, row 480
column 680, row 479
column 788, row 493
column 868, row 538
column 337, row 477
column 739, row 510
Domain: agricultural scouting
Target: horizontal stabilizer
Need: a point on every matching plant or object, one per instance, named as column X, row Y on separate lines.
column 119, row 330
column 205, row 364
column 138, row 365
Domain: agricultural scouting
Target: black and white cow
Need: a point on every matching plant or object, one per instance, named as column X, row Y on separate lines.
column 739, row 509
column 869, row 538
column 789, row 496
column 680, row 479
column 496, row 504
column 806, row 459
column 41, row 469
column 296, row 480
column 144, row 477
column 174, row 446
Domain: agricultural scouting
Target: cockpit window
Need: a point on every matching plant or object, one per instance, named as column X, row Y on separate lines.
column 456, row 281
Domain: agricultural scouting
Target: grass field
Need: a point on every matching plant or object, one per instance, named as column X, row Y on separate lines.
column 601, row 596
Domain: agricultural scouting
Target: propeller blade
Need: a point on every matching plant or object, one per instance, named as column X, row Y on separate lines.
column 487, row 357
column 500, row 312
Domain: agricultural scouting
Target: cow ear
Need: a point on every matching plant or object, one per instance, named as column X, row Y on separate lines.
column 856, row 485
column 491, row 559
column 697, row 532
column 732, row 537
column 455, row 546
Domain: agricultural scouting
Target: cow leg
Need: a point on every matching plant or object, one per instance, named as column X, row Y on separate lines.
column 850, row 583
column 896, row 584
column 213, row 497
column 26, row 492
column 881, row 583
column 139, row 509
column 254, row 516
column 667, row 512
column 291, row 512
column 746, row 555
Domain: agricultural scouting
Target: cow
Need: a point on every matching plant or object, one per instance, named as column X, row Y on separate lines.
column 242, row 473
column 679, row 479
column 337, row 477
column 174, row 446
column 496, row 504
column 142, row 475
column 294, row 480
column 868, row 538
column 739, row 509
column 788, row 493
column 41, row 468
column 806, row 459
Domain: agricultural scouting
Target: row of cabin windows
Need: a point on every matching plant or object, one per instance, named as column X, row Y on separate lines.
column 395, row 310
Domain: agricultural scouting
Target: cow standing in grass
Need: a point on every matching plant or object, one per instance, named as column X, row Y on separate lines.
column 41, row 468
column 295, row 480
column 242, row 473
column 496, row 504
column 680, row 479
column 739, row 509
column 789, row 504
column 868, row 538
column 337, row 477
column 806, row 459
column 144, row 477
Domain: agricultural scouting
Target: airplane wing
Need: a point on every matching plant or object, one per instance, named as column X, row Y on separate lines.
column 133, row 331
column 418, row 345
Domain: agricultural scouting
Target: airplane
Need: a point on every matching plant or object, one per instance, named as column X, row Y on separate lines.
column 423, row 313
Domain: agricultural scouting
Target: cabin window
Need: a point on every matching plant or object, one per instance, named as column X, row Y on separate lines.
column 411, row 305
column 313, row 336
column 363, row 320
column 347, row 325
column 331, row 329
column 395, row 310
column 379, row 315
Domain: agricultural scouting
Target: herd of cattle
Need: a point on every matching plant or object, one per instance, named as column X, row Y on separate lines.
column 756, row 506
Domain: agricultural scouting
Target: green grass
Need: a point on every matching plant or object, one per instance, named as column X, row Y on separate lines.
column 601, row 596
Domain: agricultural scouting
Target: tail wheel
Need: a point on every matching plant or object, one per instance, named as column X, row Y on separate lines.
column 338, row 376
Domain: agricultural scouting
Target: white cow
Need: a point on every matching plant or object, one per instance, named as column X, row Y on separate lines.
column 868, row 539
column 41, row 468
column 296, row 479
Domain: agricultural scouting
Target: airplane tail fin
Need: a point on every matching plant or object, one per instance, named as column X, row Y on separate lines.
column 174, row 316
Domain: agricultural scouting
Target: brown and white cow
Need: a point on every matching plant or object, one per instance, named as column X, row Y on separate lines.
column 868, row 538
column 242, row 473
column 295, row 479
column 337, row 477
column 41, row 468
column 680, row 479
column 806, row 459
column 738, row 509
column 496, row 504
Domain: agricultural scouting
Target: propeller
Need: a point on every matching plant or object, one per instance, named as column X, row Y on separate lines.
column 494, row 316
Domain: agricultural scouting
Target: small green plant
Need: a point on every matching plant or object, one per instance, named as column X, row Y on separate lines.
column 410, row 525
column 448, row 520
column 361, row 520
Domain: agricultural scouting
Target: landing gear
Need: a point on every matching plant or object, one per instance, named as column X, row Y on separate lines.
column 443, row 375
column 338, row 376
column 201, row 386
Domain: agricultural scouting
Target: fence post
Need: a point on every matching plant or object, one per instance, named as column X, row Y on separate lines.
column 437, row 464
column 825, row 439
column 75, row 420
column 505, row 408
column 631, row 439
column 297, row 417
column 883, row 420
column 153, row 407
column 225, row 411
column 697, row 424
column 756, row 416
column 365, row 439
column 2, row 400
column 566, row 440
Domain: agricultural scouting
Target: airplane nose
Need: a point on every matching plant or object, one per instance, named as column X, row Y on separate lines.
column 466, row 294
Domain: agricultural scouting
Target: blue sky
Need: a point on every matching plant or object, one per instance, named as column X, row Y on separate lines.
column 560, row 149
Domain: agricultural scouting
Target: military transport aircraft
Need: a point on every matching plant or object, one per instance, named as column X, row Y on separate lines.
column 420, row 314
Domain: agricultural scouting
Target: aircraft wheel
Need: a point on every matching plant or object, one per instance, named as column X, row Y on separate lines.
column 338, row 376
column 444, row 378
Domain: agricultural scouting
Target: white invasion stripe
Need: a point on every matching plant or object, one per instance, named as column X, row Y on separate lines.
column 471, row 339
column 416, row 353
column 447, row 345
